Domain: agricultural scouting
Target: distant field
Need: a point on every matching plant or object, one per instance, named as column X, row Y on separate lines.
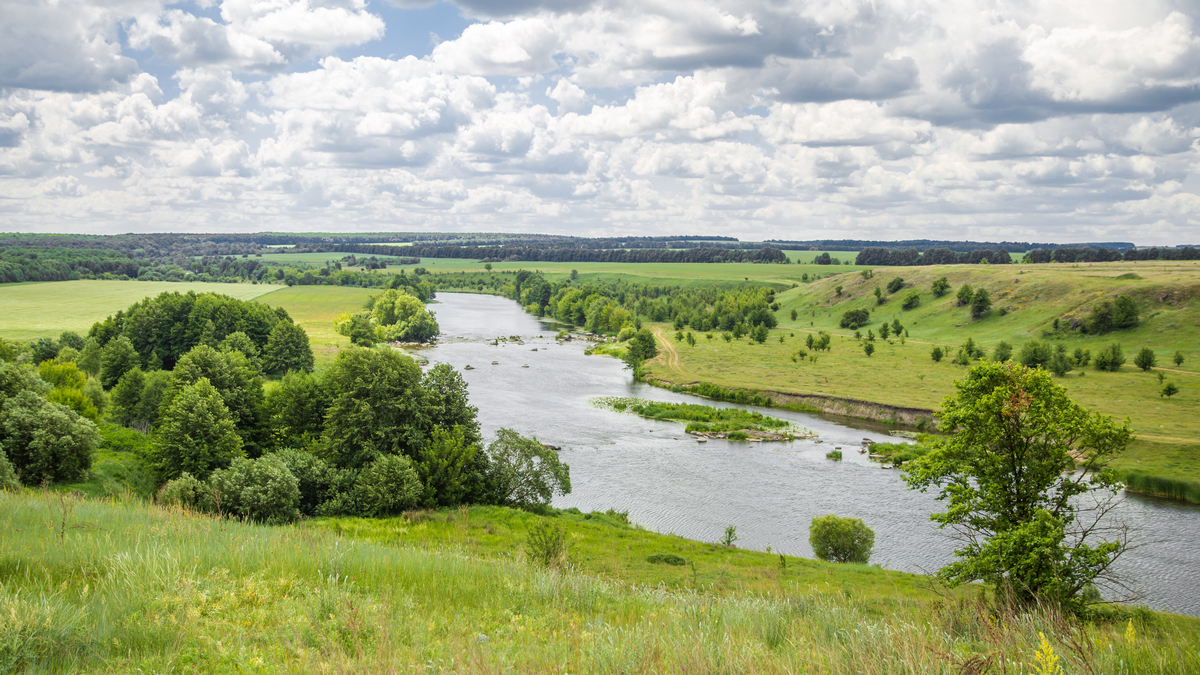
column 314, row 308
column 46, row 309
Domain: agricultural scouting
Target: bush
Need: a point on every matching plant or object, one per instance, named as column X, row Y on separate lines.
column 317, row 481
column 834, row 455
column 841, row 540
column 1145, row 359
column 895, row 285
column 940, row 287
column 525, row 472
column 981, row 302
column 855, row 318
column 912, row 300
column 936, row 354
column 1002, row 352
column 1110, row 359
column 387, row 486
column 8, row 477
column 185, row 491
column 261, row 490
column 965, row 294
column 666, row 559
column 46, row 441
column 1035, row 354
column 1178, row 358
column 547, row 544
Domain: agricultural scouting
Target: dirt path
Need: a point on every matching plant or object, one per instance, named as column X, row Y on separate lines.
column 668, row 350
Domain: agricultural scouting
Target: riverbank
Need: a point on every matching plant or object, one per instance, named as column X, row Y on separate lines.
column 129, row 587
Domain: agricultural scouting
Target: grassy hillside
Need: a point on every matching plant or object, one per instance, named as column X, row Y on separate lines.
column 46, row 309
column 1033, row 296
column 89, row 586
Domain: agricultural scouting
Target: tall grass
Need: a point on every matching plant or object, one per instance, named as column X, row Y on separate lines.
column 127, row 587
column 1163, row 486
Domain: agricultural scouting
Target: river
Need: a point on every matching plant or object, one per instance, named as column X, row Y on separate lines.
column 770, row 491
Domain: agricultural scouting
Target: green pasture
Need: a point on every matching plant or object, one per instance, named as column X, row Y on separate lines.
column 314, row 308
column 117, row 585
column 47, row 308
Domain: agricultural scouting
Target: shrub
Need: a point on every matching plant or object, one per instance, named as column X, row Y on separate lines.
column 261, row 490
column 895, row 285
column 730, row 537
column 1035, row 354
column 879, row 299
column 1081, row 357
column 1169, row 389
column 666, row 559
column 940, row 287
column 841, row 540
column 1178, row 358
column 1110, row 359
column 185, row 491
column 936, row 354
column 317, row 481
column 869, row 348
column 46, row 441
column 1002, row 352
column 855, row 318
column 835, row 455
column 1145, row 359
column 912, row 300
column 965, row 294
column 546, row 544
column 387, row 486
column 981, row 302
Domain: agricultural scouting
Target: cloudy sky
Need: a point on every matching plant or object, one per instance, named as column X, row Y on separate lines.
column 1055, row 120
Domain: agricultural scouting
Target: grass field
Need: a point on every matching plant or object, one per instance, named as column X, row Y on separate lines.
column 314, row 308
column 88, row 586
column 46, row 309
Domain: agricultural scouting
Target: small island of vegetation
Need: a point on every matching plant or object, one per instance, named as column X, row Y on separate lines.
column 706, row 421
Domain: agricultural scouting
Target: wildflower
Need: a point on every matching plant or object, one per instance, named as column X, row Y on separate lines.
column 1047, row 660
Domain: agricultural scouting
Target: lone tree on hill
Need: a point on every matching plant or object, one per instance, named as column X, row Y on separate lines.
column 940, row 287
column 981, row 302
column 1145, row 359
column 1024, row 524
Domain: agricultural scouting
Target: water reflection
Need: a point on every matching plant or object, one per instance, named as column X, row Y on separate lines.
column 671, row 483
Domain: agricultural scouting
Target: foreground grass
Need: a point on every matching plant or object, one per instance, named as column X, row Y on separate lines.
column 127, row 587
column 47, row 308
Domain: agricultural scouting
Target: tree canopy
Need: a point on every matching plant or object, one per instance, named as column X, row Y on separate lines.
column 1023, row 522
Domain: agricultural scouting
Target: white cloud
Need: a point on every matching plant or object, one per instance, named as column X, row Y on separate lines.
column 518, row 47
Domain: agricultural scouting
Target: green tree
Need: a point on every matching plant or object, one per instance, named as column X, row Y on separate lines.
column 869, row 348
column 936, row 354
column 691, row 339
column 295, row 411
column 1125, row 312
column 238, row 341
column 842, row 540
column 981, row 302
column 1178, row 358
column 287, row 349
column 46, row 441
column 71, row 339
column 794, row 314
column 1145, row 359
column 895, row 284
column 1035, row 354
column 126, row 396
column 443, row 466
column 885, row 330
column 855, row 318
column 527, row 473
column 1169, row 389
column 759, row 334
column 940, row 287
column 912, row 300
column 90, row 357
column 117, row 357
column 43, row 349
column 239, row 383
column 1110, row 359
column 1011, row 502
column 197, row 434
column 1002, row 352
column 642, row 347
column 879, row 299
column 965, row 295
column 376, row 407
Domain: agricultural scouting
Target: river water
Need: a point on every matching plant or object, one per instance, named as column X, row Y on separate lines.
column 670, row 483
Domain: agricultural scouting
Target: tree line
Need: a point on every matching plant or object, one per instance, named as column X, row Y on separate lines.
column 507, row 252
column 1103, row 254
column 934, row 256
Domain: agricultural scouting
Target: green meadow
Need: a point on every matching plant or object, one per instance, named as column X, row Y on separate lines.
column 120, row 586
column 1027, row 299
column 46, row 309
column 314, row 308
